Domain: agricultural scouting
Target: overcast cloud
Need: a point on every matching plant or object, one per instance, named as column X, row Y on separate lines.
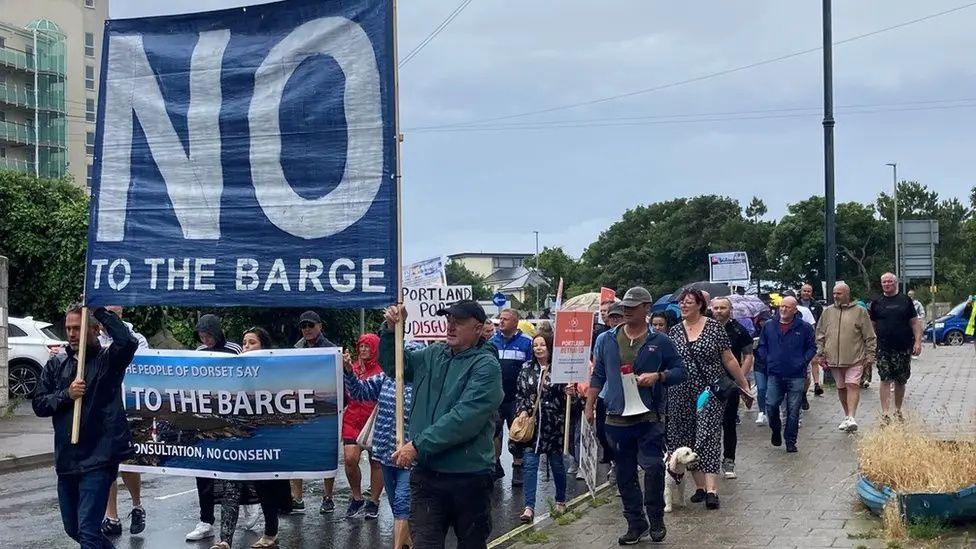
column 487, row 190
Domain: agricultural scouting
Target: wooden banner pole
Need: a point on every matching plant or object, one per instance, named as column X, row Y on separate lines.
column 80, row 375
column 399, row 203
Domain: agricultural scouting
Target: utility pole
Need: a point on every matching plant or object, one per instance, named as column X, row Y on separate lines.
column 894, row 186
column 536, row 269
column 830, row 222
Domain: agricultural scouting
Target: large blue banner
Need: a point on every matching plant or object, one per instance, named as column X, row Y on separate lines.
column 260, row 415
column 247, row 157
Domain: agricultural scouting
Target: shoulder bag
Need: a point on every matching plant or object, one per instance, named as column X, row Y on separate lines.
column 523, row 426
column 722, row 387
column 365, row 438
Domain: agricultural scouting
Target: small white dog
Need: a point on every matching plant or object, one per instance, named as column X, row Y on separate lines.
column 675, row 467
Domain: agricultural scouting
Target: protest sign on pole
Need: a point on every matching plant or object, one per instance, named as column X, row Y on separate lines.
column 262, row 171
column 730, row 267
column 422, row 305
column 259, row 415
column 572, row 338
column 607, row 294
column 426, row 273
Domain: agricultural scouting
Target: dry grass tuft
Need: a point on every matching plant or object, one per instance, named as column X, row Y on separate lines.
column 906, row 458
column 894, row 523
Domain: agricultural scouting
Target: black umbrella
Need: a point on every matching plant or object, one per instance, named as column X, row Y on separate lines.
column 714, row 289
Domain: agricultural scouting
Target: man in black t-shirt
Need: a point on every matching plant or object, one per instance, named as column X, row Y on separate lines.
column 899, row 332
column 742, row 350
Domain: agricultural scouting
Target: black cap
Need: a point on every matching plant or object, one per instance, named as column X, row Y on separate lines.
column 466, row 308
column 309, row 316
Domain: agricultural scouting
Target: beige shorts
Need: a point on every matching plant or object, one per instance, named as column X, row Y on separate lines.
column 850, row 375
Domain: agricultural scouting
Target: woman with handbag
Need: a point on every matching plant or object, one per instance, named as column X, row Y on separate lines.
column 540, row 424
column 379, row 436
column 354, row 418
column 696, row 406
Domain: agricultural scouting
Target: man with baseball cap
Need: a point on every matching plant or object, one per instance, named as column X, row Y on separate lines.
column 458, row 387
column 310, row 323
column 633, row 351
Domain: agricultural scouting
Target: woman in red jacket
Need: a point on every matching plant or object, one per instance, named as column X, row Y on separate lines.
column 354, row 418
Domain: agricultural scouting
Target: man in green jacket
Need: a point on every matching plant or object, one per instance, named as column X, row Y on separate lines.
column 457, row 388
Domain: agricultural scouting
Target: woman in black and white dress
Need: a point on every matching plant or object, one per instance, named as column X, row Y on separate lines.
column 704, row 346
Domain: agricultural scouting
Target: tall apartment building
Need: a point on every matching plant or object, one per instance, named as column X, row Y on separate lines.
column 50, row 55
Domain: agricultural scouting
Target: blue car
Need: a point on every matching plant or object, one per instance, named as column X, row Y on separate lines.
column 951, row 328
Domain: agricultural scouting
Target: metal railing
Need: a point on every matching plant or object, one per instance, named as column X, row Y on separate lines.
column 28, row 62
column 22, row 96
column 12, row 164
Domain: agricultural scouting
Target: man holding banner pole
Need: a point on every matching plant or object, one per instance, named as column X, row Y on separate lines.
column 635, row 364
column 86, row 470
column 457, row 389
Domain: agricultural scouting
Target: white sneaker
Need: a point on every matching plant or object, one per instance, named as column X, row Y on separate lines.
column 579, row 475
column 851, row 425
column 202, row 531
column 761, row 419
column 844, row 424
column 572, row 469
column 251, row 515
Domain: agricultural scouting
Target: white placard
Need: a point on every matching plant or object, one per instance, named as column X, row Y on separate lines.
column 729, row 267
column 422, row 305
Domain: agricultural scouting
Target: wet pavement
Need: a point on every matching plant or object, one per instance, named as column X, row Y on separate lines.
column 30, row 518
column 807, row 499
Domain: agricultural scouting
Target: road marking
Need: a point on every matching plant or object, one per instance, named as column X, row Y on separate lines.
column 161, row 498
column 541, row 521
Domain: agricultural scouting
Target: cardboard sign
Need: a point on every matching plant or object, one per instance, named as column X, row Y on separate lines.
column 571, row 347
column 422, row 305
column 589, row 454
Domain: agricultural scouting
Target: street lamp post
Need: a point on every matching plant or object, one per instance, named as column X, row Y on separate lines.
column 894, row 196
column 536, row 269
column 830, row 222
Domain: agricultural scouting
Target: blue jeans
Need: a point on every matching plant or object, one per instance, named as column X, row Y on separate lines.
column 530, row 475
column 641, row 444
column 760, row 378
column 791, row 389
column 82, row 499
column 396, row 481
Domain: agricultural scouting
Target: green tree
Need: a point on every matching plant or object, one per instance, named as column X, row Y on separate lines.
column 458, row 274
column 665, row 244
column 43, row 232
column 756, row 209
column 555, row 263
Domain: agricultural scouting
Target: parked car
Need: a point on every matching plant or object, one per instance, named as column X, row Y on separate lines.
column 31, row 343
column 951, row 328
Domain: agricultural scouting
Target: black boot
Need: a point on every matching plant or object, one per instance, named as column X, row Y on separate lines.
column 658, row 530
column 633, row 536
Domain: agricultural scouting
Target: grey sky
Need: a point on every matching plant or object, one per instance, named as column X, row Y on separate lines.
column 487, row 190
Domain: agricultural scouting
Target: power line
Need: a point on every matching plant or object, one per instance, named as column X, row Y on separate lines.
column 816, row 109
column 711, row 75
column 433, row 34
column 612, row 124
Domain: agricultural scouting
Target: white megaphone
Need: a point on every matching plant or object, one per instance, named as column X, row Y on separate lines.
column 633, row 405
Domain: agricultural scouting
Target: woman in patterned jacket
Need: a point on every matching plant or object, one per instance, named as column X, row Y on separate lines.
column 382, row 389
column 549, row 424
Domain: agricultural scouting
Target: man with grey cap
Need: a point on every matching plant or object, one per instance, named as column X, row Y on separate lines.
column 310, row 324
column 457, row 391
column 632, row 349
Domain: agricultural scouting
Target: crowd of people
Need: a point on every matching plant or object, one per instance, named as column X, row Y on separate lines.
column 487, row 389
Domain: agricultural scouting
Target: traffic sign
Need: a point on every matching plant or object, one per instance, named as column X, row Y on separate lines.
column 499, row 299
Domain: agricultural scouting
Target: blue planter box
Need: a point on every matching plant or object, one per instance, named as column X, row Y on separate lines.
column 950, row 507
